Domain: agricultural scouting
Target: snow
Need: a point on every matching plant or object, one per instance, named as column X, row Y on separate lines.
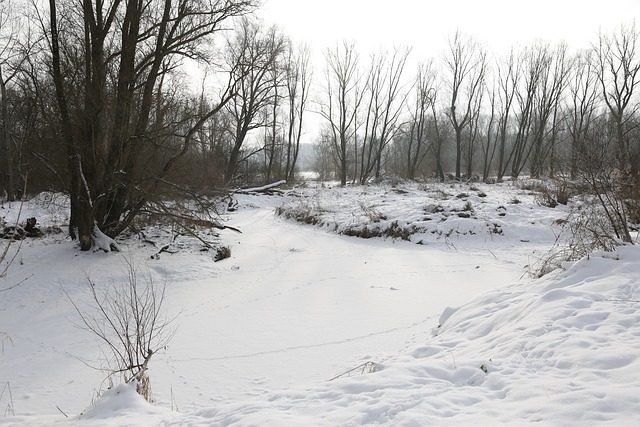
column 444, row 328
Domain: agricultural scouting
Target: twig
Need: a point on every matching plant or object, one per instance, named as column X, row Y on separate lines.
column 174, row 404
column 365, row 368
column 16, row 285
column 10, row 408
column 62, row 412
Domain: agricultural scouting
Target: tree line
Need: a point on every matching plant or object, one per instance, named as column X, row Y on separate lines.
column 542, row 110
column 98, row 100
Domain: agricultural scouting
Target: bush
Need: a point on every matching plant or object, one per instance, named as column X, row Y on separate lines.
column 552, row 196
column 585, row 231
column 129, row 322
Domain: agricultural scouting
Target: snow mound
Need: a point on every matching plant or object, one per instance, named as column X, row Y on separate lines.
column 118, row 401
column 261, row 334
column 562, row 350
column 425, row 214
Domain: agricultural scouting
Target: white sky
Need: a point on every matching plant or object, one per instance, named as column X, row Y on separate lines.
column 426, row 25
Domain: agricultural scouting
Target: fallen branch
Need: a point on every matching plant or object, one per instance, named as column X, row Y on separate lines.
column 365, row 368
column 263, row 189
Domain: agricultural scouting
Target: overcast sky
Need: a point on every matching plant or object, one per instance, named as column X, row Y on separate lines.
column 426, row 25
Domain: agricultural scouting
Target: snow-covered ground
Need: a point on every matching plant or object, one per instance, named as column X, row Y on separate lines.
column 443, row 322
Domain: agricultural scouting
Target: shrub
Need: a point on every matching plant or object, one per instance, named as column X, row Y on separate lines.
column 129, row 323
column 552, row 196
column 583, row 232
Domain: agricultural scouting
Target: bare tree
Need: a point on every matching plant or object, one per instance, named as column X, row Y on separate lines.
column 252, row 53
column 10, row 59
column 130, row 323
column 325, row 161
column 553, row 81
column 508, row 80
column 425, row 90
column 617, row 64
column 606, row 182
column 273, row 141
column 109, row 92
column 551, row 85
column 466, row 63
column 473, row 133
column 343, row 96
column 299, row 75
column 534, row 60
column 490, row 140
column 384, row 100
column 441, row 132
column 583, row 102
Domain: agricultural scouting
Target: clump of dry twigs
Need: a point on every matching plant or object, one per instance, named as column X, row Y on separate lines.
column 129, row 321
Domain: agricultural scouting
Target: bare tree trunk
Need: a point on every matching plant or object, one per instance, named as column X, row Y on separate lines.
column 385, row 103
column 6, row 141
column 583, row 90
column 298, row 79
column 342, row 103
column 108, row 130
column 252, row 54
column 490, row 141
column 508, row 74
column 618, row 67
column 467, row 65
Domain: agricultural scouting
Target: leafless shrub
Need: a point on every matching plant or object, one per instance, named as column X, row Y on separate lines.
column 553, row 195
column 612, row 191
column 585, row 231
column 372, row 213
column 129, row 322
column 305, row 211
column 393, row 231
column 545, row 198
column 531, row 185
column 632, row 202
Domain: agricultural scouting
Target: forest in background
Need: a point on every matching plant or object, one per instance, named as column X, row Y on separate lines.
column 98, row 101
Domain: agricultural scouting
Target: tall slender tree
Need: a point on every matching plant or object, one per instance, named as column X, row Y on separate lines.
column 384, row 103
column 252, row 53
column 465, row 64
column 582, row 104
column 425, row 90
column 343, row 96
column 299, row 74
column 617, row 64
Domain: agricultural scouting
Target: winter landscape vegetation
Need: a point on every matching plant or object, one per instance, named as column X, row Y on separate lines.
column 207, row 222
